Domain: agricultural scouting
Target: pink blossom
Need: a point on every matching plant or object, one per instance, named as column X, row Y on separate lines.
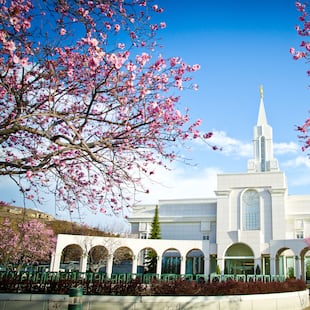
column 10, row 46
column 62, row 31
column 16, row 59
column 299, row 55
column 131, row 67
column 208, row 135
column 196, row 67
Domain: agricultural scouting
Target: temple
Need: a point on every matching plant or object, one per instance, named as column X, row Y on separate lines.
column 252, row 228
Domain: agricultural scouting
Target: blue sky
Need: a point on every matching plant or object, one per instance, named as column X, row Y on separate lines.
column 239, row 44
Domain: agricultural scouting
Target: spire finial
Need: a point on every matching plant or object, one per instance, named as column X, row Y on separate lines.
column 261, row 91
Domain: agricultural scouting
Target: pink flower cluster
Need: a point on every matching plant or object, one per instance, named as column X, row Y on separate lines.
column 303, row 31
column 29, row 242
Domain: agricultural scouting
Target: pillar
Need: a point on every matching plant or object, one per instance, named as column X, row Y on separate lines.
column 109, row 266
column 303, row 268
column 183, row 265
column 134, row 264
column 297, row 267
column 206, row 265
column 55, row 262
column 83, row 262
column 158, row 267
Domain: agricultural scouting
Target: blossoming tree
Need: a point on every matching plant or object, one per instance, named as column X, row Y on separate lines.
column 88, row 105
column 31, row 242
column 304, row 53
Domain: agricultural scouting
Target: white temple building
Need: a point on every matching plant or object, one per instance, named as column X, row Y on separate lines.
column 253, row 221
column 252, row 226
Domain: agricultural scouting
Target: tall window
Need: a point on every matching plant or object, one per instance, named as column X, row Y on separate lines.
column 250, row 210
column 263, row 154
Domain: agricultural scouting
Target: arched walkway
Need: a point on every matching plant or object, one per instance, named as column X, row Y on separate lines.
column 129, row 254
column 239, row 259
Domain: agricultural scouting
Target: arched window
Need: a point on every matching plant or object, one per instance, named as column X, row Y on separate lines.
column 250, row 210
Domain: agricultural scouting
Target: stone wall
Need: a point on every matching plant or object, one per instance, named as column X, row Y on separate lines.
column 281, row 301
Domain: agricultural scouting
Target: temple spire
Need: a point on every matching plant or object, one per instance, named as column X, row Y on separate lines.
column 262, row 119
column 263, row 160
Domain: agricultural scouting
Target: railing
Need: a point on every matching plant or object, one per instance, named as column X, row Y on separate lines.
column 48, row 277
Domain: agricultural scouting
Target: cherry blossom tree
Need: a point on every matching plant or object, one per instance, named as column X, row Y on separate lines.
column 31, row 242
column 8, row 245
column 304, row 53
column 88, row 103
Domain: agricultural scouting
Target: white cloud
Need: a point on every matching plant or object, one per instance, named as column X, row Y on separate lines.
column 235, row 147
column 285, row 148
column 299, row 161
column 231, row 146
column 181, row 182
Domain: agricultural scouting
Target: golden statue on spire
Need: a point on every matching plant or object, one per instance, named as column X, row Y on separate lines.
column 261, row 91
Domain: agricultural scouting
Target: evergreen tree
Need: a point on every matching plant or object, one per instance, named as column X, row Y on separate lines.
column 155, row 232
column 151, row 256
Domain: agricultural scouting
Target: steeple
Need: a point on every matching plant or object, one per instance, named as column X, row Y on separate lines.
column 262, row 119
column 262, row 143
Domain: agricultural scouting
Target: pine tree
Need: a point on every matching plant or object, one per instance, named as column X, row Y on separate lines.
column 155, row 232
column 151, row 256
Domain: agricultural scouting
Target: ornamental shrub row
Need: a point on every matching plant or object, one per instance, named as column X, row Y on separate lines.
column 134, row 287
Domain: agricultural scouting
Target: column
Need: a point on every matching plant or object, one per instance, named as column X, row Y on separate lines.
column 55, row 262
column 206, row 265
column 83, row 262
column 297, row 267
column 183, row 265
column 303, row 268
column 134, row 264
column 109, row 266
column 158, row 267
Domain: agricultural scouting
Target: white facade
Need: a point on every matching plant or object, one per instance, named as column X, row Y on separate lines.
column 252, row 226
column 251, row 222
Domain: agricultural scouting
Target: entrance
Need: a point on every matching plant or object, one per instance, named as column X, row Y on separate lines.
column 239, row 259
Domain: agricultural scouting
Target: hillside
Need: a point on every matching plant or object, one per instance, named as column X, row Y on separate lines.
column 17, row 215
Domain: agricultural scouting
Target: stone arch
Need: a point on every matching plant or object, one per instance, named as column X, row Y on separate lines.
column 97, row 258
column 194, row 262
column 239, row 259
column 171, row 261
column 147, row 260
column 305, row 263
column 285, row 262
column 122, row 260
column 71, row 256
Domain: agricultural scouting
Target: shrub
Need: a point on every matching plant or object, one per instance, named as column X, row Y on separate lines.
column 231, row 287
column 14, row 283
